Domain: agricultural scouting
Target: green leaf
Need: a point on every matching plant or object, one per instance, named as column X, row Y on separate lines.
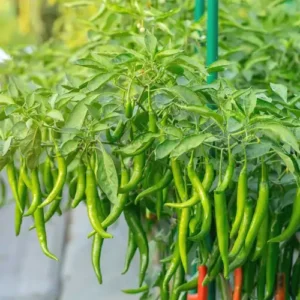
column 170, row 52
column 172, row 131
column 165, row 148
column 138, row 143
column 286, row 159
column 107, row 175
column 253, row 61
column 69, row 146
column 11, row 108
column 20, row 130
column 88, row 63
column 185, row 94
column 234, row 125
column 248, row 103
column 123, row 58
column 257, row 150
column 280, row 131
column 188, row 143
column 150, row 43
column 56, row 115
column 280, row 90
column 218, row 66
column 78, row 3
column 99, row 80
column 6, row 145
column 76, row 118
column 6, row 100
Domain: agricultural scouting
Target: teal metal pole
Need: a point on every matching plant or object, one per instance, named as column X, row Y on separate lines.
column 212, row 56
column 199, row 9
column 212, row 36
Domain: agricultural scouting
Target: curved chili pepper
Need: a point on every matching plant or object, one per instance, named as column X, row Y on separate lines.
column 262, row 237
column 12, row 180
column 189, row 203
column 170, row 272
column 96, row 254
column 228, row 174
column 47, row 177
column 272, row 259
column 38, row 214
column 208, row 178
column 239, row 241
column 138, row 167
column 222, row 228
column 260, row 210
column 213, row 272
column 80, row 186
column 164, row 182
column 178, row 180
column 117, row 133
column 92, row 199
column 140, row 238
column 22, row 192
column 23, row 173
column 131, row 249
column 293, row 223
column 190, row 285
column 242, row 194
column 238, row 281
column 207, row 214
column 61, row 178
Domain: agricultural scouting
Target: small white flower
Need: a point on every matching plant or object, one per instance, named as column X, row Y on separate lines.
column 142, row 29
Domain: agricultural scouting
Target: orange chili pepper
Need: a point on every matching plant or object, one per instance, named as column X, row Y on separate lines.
column 280, row 287
column 238, row 281
column 202, row 290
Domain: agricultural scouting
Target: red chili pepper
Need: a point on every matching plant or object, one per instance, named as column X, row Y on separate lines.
column 280, row 287
column 202, row 290
column 192, row 297
column 238, row 281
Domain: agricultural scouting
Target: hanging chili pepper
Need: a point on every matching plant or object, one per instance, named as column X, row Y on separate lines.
column 117, row 133
column 242, row 194
column 80, row 186
column 280, row 287
column 293, row 223
column 272, row 258
column 238, row 281
column 261, row 277
column 131, row 249
column 140, row 238
column 222, row 228
column 249, row 272
column 295, row 282
column 202, row 290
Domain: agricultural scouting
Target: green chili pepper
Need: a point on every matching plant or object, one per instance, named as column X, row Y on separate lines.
column 38, row 214
column 12, row 180
column 190, row 285
column 92, row 199
column 215, row 254
column 80, row 187
column 207, row 214
column 138, row 167
column 140, row 239
column 161, row 184
column 142, row 289
column 96, row 254
column 178, row 180
column 213, row 272
column 272, row 259
column 177, row 282
column 249, row 272
column 117, row 133
column 260, row 210
column 24, row 175
column 189, row 203
column 239, row 241
column 261, row 277
column 262, row 238
column 293, row 223
column 295, row 282
column 182, row 236
column 242, row 194
column 228, row 174
column 208, row 178
column 59, row 183
column 159, row 201
column 73, row 186
column 286, row 266
column 131, row 249
column 47, row 176
column 22, row 192
column 170, row 272
column 222, row 228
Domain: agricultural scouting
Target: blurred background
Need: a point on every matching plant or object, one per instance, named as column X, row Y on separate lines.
column 26, row 274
